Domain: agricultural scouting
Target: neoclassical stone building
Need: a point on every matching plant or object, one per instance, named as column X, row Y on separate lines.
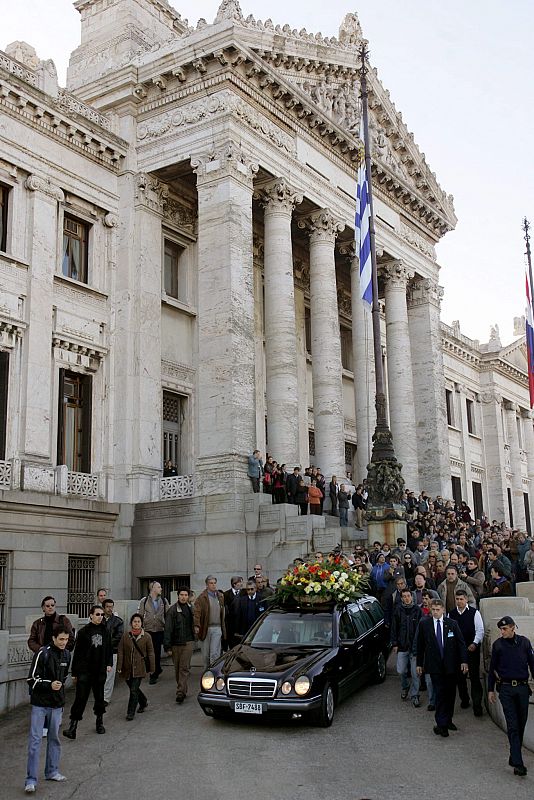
column 178, row 280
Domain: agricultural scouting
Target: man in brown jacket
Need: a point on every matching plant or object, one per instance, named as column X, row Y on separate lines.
column 44, row 628
column 208, row 620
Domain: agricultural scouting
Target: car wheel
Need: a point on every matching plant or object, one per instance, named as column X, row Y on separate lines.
column 324, row 716
column 380, row 668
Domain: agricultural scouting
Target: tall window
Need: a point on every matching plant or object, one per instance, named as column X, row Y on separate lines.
column 346, row 347
column 478, row 506
column 4, row 562
column 470, row 416
column 75, row 238
column 81, row 590
column 307, row 329
column 457, row 489
column 174, row 277
column 311, row 443
column 174, row 414
column 510, row 506
column 4, row 374
column 74, row 423
column 4, row 195
column 450, row 406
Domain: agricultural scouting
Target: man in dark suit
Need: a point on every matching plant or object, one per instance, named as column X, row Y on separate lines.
column 247, row 608
column 236, row 586
column 441, row 652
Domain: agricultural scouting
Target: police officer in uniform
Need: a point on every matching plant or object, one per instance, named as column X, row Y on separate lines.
column 511, row 657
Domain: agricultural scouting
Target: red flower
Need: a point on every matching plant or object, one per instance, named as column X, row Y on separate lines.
column 313, row 569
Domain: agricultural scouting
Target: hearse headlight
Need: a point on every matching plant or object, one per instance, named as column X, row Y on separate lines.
column 207, row 681
column 302, row 685
column 286, row 687
column 220, row 684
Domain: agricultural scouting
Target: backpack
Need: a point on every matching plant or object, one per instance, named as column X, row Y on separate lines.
column 166, row 606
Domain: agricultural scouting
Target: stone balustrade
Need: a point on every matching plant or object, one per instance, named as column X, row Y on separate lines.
column 176, row 487
column 5, row 474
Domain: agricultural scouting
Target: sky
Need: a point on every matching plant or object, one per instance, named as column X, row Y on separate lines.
column 460, row 72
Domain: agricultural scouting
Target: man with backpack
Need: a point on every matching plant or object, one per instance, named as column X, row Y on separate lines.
column 154, row 609
column 46, row 681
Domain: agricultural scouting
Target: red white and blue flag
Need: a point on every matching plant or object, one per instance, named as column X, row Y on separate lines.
column 529, row 317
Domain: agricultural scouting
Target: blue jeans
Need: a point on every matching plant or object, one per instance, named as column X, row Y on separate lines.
column 430, row 690
column 43, row 718
column 406, row 668
column 343, row 517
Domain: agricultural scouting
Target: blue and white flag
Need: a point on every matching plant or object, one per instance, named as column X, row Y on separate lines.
column 363, row 236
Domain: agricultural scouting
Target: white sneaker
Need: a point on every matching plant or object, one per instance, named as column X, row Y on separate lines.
column 45, row 733
column 57, row 777
column 29, row 788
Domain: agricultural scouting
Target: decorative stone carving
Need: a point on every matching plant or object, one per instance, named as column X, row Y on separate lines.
column 301, row 273
column 278, row 196
column 350, row 30
column 495, row 339
column 322, row 226
column 519, row 326
column 110, row 220
column 180, row 215
column 229, row 159
column 24, row 53
column 418, row 241
column 82, row 484
column 344, row 302
column 510, row 406
column 176, row 487
column 339, row 99
column 151, row 192
column 72, row 104
column 396, row 274
column 229, row 9
column 36, row 184
column 425, row 291
column 181, row 373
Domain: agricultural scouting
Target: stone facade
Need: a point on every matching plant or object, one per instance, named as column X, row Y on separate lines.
column 178, row 280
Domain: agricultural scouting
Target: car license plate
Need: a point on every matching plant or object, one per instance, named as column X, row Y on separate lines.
column 248, row 708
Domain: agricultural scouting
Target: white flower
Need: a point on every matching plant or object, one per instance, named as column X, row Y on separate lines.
column 344, row 576
column 336, row 574
column 308, row 588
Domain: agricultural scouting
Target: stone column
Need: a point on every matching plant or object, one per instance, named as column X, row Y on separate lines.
column 326, row 345
column 278, row 199
column 528, row 438
column 363, row 370
column 518, row 503
column 399, row 366
column 43, row 259
column 226, row 392
column 494, row 454
column 424, row 322
column 137, row 339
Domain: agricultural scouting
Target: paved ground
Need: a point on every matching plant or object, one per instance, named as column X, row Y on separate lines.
column 378, row 747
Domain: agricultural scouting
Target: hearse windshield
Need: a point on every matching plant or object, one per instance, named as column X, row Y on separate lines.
column 292, row 629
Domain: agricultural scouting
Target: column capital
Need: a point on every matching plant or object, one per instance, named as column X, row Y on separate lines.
column 510, row 406
column 526, row 413
column 348, row 249
column 151, row 192
column 278, row 197
column 44, row 185
column 322, row 226
column 228, row 160
column 396, row 274
column 425, row 290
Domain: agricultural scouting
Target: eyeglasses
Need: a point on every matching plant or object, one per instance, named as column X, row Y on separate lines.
column 98, row 614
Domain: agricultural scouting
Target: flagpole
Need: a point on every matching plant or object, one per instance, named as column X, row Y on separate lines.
column 526, row 229
column 384, row 472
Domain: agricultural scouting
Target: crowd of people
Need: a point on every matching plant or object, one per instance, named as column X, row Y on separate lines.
column 436, row 575
column 307, row 490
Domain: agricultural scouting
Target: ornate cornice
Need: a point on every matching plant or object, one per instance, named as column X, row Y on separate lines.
column 176, row 213
column 227, row 160
column 278, row 197
column 44, row 185
column 322, row 226
column 416, row 240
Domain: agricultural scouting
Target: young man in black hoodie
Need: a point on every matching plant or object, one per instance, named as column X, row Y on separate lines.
column 46, row 681
column 405, row 619
column 92, row 660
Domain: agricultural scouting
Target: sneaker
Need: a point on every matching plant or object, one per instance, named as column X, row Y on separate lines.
column 153, row 680
column 29, row 788
column 404, row 694
column 142, row 709
column 521, row 771
column 416, row 703
column 57, row 777
column 129, row 717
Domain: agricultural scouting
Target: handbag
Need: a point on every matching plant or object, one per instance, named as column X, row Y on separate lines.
column 146, row 658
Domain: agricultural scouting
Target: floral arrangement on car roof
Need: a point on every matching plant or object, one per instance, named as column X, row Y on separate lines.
column 331, row 580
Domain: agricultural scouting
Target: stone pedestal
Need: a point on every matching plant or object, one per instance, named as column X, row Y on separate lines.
column 278, row 199
column 386, row 529
column 226, row 385
column 326, row 345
